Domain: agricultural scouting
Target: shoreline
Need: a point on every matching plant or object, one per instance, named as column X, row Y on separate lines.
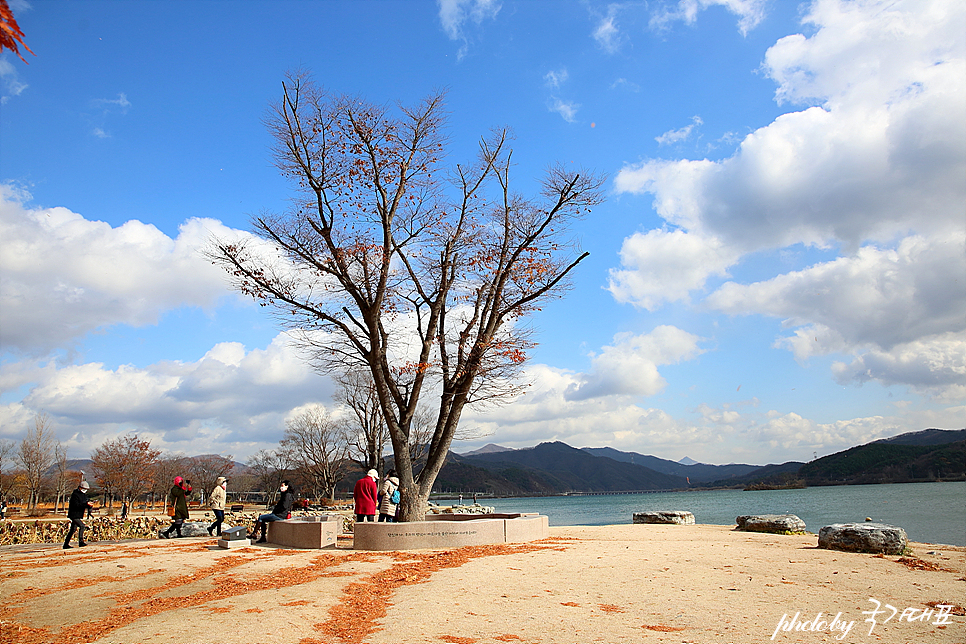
column 701, row 584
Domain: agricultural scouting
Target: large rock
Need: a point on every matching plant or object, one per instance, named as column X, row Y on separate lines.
column 777, row 523
column 679, row 517
column 863, row 537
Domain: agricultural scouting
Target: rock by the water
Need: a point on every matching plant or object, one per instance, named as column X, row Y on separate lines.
column 666, row 516
column 863, row 537
column 777, row 523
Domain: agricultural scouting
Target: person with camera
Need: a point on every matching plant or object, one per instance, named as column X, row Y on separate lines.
column 179, row 501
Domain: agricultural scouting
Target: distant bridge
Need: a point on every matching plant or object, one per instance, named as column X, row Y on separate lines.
column 616, row 492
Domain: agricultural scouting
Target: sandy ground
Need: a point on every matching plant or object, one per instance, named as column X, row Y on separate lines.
column 611, row 584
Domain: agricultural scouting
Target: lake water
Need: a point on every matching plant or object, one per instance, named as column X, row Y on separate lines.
column 929, row 512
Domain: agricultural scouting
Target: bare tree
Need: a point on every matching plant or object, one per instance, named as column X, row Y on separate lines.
column 7, row 453
column 269, row 467
column 62, row 476
column 318, row 446
column 125, row 466
column 36, row 455
column 391, row 261
column 205, row 470
column 165, row 469
column 368, row 434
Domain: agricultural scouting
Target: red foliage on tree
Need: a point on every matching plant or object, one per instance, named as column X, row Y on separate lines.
column 10, row 33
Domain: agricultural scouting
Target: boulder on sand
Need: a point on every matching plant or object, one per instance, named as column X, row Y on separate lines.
column 665, row 516
column 776, row 523
column 877, row 538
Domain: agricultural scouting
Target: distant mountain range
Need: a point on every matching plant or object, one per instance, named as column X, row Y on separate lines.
column 555, row 468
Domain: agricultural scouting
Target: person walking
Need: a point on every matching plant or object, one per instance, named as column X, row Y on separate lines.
column 179, row 499
column 217, row 502
column 365, row 494
column 281, row 511
column 79, row 503
column 389, row 491
column 123, row 510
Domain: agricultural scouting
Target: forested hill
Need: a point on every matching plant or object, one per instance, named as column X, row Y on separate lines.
column 553, row 468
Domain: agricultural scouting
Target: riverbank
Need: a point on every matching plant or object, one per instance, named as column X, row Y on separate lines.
column 609, row 584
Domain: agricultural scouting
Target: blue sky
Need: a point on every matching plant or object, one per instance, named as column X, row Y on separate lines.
column 779, row 269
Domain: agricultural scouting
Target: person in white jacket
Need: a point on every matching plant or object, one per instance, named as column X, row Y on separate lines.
column 217, row 502
column 387, row 507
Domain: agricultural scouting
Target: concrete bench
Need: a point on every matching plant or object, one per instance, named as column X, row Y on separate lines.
column 305, row 532
column 451, row 531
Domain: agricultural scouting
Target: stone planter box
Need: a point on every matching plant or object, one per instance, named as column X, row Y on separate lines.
column 305, row 532
column 678, row 517
column 451, row 531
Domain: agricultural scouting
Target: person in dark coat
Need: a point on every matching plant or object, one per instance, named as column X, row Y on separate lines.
column 281, row 511
column 79, row 503
column 179, row 499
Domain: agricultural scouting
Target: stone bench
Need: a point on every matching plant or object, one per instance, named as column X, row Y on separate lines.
column 876, row 538
column 774, row 523
column 451, row 531
column 678, row 517
column 305, row 532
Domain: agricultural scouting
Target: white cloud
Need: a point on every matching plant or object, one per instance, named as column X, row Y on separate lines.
column 629, row 366
column 231, row 400
column 555, row 78
column 12, row 85
column 877, row 297
column 737, row 432
column 103, row 275
column 606, row 33
column 934, row 366
column 121, row 102
column 453, row 15
column 566, row 109
column 665, row 266
column 682, row 134
column 873, row 164
column 749, row 12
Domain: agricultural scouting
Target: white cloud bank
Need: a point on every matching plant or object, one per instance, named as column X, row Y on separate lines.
column 873, row 164
column 64, row 275
column 232, row 400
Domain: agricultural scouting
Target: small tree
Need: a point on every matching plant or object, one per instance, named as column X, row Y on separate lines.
column 125, row 466
column 63, row 480
column 368, row 435
column 421, row 273
column 270, row 467
column 7, row 452
column 318, row 446
column 205, row 470
column 36, row 454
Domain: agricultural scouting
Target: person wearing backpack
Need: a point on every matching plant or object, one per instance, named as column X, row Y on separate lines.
column 390, row 499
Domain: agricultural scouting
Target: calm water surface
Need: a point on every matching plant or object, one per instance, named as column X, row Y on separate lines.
column 929, row 512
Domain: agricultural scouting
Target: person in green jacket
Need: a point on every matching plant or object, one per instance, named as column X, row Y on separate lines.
column 179, row 499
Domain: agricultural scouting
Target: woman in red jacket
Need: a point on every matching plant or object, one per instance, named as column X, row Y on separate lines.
column 366, row 495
